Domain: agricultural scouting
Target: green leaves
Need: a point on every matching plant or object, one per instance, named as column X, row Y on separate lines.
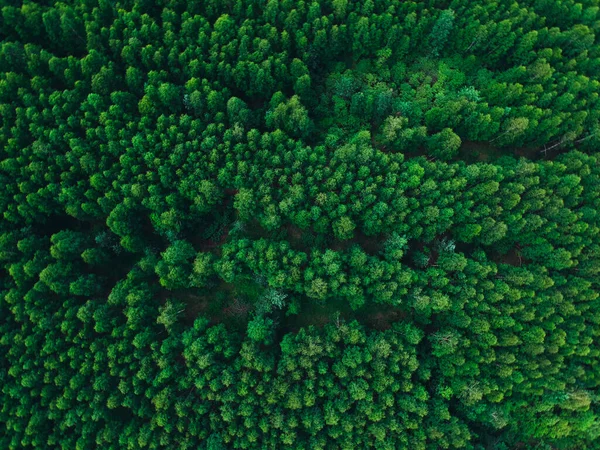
column 343, row 228
column 200, row 198
column 289, row 115
column 444, row 145
column 175, row 266
column 260, row 329
column 441, row 30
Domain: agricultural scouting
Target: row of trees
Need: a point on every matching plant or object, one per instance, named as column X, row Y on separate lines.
column 480, row 340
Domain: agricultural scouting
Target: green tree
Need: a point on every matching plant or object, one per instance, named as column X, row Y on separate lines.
column 175, row 265
column 444, row 145
column 441, row 30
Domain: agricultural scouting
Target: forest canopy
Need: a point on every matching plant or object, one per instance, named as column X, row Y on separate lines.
column 321, row 224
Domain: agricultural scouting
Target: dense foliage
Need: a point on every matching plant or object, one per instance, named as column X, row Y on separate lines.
column 299, row 224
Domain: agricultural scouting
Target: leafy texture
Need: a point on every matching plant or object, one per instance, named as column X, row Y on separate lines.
column 299, row 224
